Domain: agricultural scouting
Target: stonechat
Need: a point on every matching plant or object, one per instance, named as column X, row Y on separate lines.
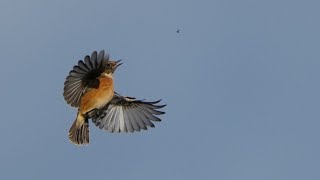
column 89, row 87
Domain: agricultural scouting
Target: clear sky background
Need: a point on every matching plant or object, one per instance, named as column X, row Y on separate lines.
column 240, row 80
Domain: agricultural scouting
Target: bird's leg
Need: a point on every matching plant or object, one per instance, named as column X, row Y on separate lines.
column 94, row 113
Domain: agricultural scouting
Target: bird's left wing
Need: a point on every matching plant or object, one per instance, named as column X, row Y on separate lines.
column 84, row 76
column 126, row 114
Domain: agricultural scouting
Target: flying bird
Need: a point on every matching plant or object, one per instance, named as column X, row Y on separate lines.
column 178, row 31
column 89, row 87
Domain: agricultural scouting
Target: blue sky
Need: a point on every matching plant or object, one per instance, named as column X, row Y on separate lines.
column 240, row 80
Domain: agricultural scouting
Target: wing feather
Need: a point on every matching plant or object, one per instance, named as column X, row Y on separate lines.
column 83, row 76
column 88, row 62
column 116, row 127
column 145, row 118
column 133, row 122
column 126, row 114
column 142, row 125
column 121, row 121
column 94, row 60
column 127, row 120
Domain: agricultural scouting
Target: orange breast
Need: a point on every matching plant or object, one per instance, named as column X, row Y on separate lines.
column 97, row 97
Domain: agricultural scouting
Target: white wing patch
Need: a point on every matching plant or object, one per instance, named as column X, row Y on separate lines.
column 121, row 119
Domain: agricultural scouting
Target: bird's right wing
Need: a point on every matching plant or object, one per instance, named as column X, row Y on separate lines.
column 84, row 76
column 126, row 114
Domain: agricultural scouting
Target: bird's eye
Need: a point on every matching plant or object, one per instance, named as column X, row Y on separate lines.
column 108, row 65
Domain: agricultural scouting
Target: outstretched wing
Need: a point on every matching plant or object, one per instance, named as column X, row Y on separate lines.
column 84, row 76
column 126, row 114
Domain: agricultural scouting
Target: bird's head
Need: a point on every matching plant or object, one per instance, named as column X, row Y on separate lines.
column 111, row 66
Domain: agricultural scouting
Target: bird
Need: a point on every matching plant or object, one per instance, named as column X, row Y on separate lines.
column 178, row 31
column 89, row 87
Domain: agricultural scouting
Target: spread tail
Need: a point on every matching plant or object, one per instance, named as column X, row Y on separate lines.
column 79, row 131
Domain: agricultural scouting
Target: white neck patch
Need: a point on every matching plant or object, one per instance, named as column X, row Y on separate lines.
column 107, row 75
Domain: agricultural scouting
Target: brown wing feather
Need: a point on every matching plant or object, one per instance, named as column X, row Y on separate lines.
column 83, row 77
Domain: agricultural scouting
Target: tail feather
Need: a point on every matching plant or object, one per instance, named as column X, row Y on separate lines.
column 79, row 131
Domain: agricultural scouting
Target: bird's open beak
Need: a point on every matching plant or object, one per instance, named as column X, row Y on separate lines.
column 117, row 64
